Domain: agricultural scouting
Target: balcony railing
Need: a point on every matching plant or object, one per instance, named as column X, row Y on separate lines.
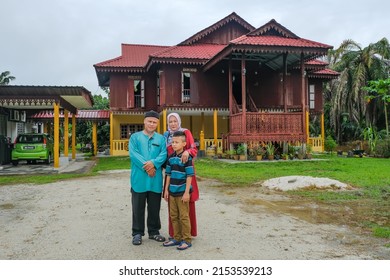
column 186, row 96
column 265, row 123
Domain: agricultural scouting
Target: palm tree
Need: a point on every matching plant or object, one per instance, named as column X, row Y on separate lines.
column 357, row 66
column 5, row 78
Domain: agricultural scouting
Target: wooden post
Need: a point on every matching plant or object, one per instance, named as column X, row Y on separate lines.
column 94, row 137
column 66, row 133
column 201, row 141
column 323, row 131
column 56, row 135
column 165, row 127
column 111, row 134
column 243, row 94
column 307, row 126
column 215, row 128
column 74, row 136
column 303, row 99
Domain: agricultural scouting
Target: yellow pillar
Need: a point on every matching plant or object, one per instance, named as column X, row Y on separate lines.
column 307, row 126
column 215, row 128
column 111, row 134
column 165, row 128
column 201, row 144
column 56, row 135
column 94, row 137
column 323, row 131
column 66, row 133
column 73, row 136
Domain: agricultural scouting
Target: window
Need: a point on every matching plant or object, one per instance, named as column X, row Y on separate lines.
column 185, row 87
column 128, row 129
column 158, row 88
column 311, row 96
column 139, row 94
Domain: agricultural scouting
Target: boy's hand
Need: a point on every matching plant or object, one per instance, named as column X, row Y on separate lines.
column 166, row 196
column 185, row 197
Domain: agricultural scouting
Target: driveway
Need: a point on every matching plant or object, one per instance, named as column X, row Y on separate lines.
column 90, row 218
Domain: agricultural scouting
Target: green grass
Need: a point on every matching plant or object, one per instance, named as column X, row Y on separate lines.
column 111, row 163
column 37, row 179
column 370, row 174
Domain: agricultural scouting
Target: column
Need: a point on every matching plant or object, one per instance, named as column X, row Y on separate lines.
column 66, row 133
column 74, row 136
column 56, row 135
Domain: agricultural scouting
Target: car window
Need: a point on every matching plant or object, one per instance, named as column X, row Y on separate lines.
column 25, row 139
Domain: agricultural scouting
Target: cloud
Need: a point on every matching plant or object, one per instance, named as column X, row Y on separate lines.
column 47, row 42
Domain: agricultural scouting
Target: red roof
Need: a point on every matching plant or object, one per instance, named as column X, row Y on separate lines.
column 81, row 114
column 278, row 41
column 324, row 73
column 132, row 56
column 201, row 51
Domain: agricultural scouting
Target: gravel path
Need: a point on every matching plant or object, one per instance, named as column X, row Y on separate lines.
column 90, row 218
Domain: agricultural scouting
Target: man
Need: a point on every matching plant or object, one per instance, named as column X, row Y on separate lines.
column 148, row 152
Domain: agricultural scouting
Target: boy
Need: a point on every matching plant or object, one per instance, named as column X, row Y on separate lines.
column 179, row 176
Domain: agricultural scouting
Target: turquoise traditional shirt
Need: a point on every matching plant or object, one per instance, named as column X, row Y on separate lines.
column 143, row 148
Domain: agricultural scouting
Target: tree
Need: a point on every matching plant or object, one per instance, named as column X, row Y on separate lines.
column 380, row 89
column 100, row 102
column 357, row 66
column 5, row 78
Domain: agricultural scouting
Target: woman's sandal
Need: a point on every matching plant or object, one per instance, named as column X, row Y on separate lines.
column 157, row 237
column 184, row 245
column 171, row 242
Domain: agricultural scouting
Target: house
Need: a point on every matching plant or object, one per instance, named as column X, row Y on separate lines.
column 230, row 82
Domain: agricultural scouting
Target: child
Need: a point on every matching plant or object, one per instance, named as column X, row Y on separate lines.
column 179, row 176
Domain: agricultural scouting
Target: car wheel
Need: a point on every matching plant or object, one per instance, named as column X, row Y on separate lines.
column 15, row 162
column 48, row 159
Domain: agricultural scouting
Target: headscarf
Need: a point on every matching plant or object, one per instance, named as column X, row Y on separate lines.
column 170, row 131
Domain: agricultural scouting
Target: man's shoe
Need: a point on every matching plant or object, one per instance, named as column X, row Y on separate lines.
column 137, row 239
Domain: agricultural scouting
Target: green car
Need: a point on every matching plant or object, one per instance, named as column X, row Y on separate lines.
column 32, row 147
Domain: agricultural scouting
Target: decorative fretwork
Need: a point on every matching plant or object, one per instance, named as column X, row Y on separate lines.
column 267, row 127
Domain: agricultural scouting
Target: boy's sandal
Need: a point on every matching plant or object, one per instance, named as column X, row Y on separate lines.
column 171, row 242
column 157, row 237
column 137, row 239
column 184, row 245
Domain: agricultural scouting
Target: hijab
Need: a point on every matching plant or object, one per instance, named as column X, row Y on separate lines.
column 170, row 131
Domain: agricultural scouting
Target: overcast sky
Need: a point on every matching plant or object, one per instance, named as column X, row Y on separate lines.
column 56, row 42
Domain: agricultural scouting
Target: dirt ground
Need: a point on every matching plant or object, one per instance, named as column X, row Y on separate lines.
column 90, row 219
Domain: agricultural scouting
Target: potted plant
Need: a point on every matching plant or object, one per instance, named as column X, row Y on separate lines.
column 259, row 152
column 309, row 149
column 251, row 153
column 285, row 156
column 241, row 150
column 270, row 149
column 291, row 152
column 299, row 152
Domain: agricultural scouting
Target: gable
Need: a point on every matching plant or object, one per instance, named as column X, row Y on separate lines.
column 273, row 28
column 221, row 32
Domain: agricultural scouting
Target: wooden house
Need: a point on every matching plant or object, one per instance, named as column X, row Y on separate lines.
column 230, row 82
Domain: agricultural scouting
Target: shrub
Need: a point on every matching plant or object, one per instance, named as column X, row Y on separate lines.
column 330, row 144
column 382, row 148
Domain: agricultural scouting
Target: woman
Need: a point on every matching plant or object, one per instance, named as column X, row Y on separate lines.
column 174, row 124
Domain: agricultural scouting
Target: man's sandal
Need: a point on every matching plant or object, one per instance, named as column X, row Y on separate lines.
column 137, row 239
column 184, row 245
column 157, row 237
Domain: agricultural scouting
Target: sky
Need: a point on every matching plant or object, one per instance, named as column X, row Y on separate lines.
column 57, row 42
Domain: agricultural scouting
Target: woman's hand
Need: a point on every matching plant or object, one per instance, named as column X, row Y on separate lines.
column 185, row 156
